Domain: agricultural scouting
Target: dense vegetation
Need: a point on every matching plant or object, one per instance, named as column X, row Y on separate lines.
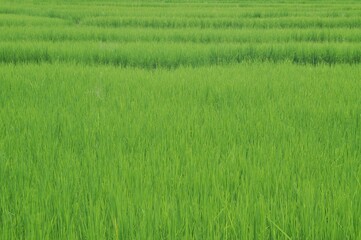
column 171, row 35
column 180, row 120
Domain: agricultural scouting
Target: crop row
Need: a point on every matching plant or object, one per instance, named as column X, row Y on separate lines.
column 184, row 22
column 12, row 20
column 240, row 10
column 75, row 33
column 291, row 22
column 152, row 22
column 169, row 55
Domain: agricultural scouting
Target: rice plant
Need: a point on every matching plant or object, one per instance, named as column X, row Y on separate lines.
column 180, row 120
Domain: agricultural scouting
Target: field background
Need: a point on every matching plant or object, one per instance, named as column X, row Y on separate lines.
column 180, row 120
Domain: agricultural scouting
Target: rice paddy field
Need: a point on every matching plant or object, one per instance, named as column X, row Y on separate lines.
column 180, row 120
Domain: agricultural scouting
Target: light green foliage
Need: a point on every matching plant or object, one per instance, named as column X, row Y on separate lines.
column 180, row 121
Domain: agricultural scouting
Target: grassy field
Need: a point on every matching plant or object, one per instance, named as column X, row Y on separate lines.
column 180, row 120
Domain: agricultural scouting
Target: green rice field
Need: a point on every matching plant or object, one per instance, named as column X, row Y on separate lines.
column 180, row 119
